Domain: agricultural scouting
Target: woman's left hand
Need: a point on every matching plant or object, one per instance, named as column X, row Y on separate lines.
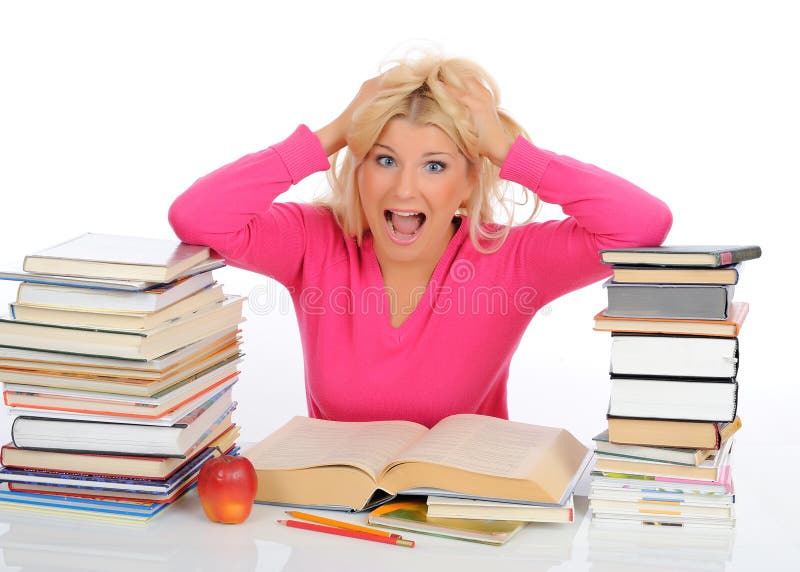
column 493, row 140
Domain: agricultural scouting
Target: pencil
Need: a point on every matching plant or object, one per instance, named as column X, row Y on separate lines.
column 338, row 523
column 345, row 532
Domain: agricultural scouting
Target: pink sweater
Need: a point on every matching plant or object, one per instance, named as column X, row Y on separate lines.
column 452, row 354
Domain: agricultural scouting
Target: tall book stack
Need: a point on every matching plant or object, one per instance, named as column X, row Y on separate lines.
column 665, row 458
column 117, row 359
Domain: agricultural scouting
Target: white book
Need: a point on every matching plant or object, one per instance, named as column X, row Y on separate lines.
column 478, row 509
column 99, row 300
column 671, row 399
column 117, row 257
column 674, row 356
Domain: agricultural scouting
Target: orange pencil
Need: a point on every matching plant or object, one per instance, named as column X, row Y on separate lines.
column 338, row 523
column 345, row 532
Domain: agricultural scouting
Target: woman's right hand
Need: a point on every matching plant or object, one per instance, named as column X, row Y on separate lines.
column 334, row 135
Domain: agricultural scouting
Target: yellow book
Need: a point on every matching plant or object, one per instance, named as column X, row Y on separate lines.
column 352, row 465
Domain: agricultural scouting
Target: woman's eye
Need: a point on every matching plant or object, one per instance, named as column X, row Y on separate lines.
column 385, row 161
column 435, row 167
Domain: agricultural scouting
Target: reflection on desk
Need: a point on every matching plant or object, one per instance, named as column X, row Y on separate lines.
column 183, row 539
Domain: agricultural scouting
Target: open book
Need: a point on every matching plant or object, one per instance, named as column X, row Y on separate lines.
column 357, row 465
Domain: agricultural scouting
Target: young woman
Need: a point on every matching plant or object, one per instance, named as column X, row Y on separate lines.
column 410, row 299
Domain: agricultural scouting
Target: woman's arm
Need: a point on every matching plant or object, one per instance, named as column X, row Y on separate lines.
column 232, row 211
column 604, row 211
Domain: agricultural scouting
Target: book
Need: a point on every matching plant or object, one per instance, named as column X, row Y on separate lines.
column 116, row 321
column 649, row 483
column 352, row 465
column 695, row 400
column 666, row 433
column 690, row 255
column 140, row 344
column 725, row 328
column 73, row 435
column 117, row 257
column 412, row 516
column 683, row 301
column 116, row 301
column 677, row 455
column 26, row 359
column 676, row 274
column 125, row 384
column 664, row 355
column 163, row 409
column 709, row 469
column 111, row 465
column 16, row 273
column 452, row 507
column 606, row 489
column 647, row 510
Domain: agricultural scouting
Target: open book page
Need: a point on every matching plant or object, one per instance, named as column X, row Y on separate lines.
column 305, row 442
column 484, row 445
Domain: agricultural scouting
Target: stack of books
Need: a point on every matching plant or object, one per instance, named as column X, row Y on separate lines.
column 118, row 360
column 666, row 456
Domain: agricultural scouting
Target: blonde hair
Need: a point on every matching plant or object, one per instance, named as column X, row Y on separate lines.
column 413, row 90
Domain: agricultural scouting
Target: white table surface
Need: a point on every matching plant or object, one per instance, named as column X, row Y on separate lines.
column 766, row 537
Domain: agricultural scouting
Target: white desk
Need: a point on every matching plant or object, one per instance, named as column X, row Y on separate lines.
column 767, row 537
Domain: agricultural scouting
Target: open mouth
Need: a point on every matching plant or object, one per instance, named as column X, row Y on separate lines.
column 404, row 225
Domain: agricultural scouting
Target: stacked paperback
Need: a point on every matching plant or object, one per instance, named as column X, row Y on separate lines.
column 118, row 360
column 666, row 456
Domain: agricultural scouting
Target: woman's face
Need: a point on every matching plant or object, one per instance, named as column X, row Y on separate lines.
column 411, row 183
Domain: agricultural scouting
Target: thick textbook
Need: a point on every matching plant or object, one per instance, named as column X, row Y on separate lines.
column 413, row 516
column 661, row 355
column 725, row 328
column 666, row 433
column 689, row 255
column 352, row 465
column 131, row 344
column 115, row 301
column 453, row 507
column 117, row 257
column 113, row 465
column 178, row 440
column 683, row 301
column 695, row 400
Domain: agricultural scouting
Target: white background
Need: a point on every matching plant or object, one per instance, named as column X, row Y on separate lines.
column 108, row 110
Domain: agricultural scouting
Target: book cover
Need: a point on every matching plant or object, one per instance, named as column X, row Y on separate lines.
column 117, row 257
column 667, row 433
column 686, row 255
column 412, row 516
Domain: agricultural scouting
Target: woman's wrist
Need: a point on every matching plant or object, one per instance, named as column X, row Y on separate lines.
column 331, row 137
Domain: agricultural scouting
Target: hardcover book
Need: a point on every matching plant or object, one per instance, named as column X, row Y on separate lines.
column 690, row 255
column 667, row 433
column 73, row 435
column 351, row 465
column 676, row 275
column 685, row 301
column 660, row 355
column 117, row 257
column 695, row 400
column 676, row 455
column 724, row 328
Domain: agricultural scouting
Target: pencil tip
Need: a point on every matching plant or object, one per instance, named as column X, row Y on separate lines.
column 281, row 521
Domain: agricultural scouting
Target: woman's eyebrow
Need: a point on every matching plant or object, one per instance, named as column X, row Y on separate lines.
column 424, row 154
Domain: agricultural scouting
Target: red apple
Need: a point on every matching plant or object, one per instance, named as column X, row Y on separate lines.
column 227, row 487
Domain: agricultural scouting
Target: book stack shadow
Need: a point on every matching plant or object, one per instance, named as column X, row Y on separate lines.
column 666, row 456
column 118, row 360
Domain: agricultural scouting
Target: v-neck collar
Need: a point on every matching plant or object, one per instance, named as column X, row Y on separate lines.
column 436, row 278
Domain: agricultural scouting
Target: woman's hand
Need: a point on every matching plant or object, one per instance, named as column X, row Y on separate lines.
column 334, row 135
column 493, row 140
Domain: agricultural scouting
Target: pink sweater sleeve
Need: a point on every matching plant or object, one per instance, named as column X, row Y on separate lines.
column 232, row 211
column 604, row 211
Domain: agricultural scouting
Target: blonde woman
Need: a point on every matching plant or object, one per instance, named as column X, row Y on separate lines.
column 410, row 298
